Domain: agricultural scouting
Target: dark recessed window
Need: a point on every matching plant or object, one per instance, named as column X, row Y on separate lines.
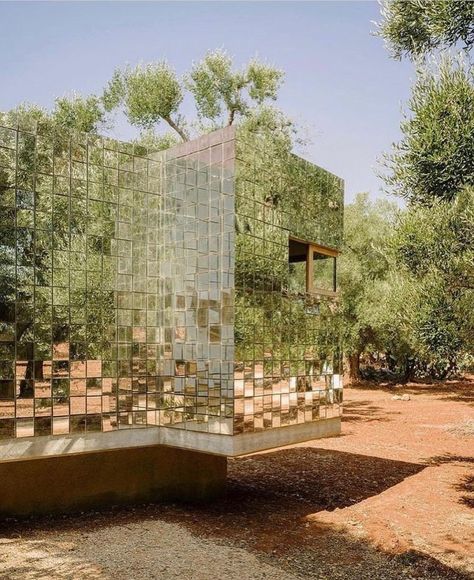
column 312, row 267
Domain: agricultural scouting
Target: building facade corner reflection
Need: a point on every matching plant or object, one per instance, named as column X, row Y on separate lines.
column 193, row 288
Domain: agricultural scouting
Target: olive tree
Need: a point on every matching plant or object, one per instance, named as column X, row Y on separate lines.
column 435, row 158
column 416, row 27
column 436, row 245
column 153, row 93
column 433, row 169
column 219, row 89
column 363, row 271
column 149, row 94
column 79, row 113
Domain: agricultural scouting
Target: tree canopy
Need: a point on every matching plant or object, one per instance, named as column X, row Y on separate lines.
column 149, row 94
column 84, row 114
column 406, row 278
column 435, row 158
column 417, row 27
column 218, row 88
column 432, row 167
column 152, row 93
column 375, row 310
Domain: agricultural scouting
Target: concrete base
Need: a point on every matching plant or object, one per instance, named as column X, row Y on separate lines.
column 119, row 476
column 279, row 437
column 188, row 439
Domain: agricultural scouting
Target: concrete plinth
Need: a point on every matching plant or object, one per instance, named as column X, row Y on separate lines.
column 119, row 476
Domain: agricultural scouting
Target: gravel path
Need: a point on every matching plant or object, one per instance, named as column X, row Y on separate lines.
column 150, row 549
column 154, row 549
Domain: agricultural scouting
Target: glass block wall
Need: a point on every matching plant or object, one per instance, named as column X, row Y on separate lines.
column 196, row 267
column 143, row 289
column 287, row 367
column 77, row 227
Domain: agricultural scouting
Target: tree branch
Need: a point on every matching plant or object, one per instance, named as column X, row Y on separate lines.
column 177, row 128
column 231, row 117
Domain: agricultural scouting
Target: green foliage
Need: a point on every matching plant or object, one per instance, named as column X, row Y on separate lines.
column 407, row 284
column 399, row 297
column 437, row 246
column 74, row 113
column 85, row 114
column 269, row 120
column 217, row 87
column 416, row 27
column 433, row 168
column 438, row 327
column 149, row 94
column 435, row 158
column 152, row 141
column 153, row 93
column 366, row 278
column 25, row 115
column 114, row 92
column 441, row 239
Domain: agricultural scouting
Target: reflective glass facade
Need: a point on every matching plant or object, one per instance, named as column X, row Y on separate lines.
column 287, row 345
column 144, row 289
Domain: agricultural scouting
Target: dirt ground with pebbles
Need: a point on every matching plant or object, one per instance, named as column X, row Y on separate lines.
column 391, row 498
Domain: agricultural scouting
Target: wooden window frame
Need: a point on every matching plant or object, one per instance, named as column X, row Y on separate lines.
column 311, row 248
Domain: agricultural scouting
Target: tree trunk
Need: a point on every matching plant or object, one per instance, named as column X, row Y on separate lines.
column 354, row 367
column 408, row 369
column 34, row 372
column 231, row 117
column 177, row 128
column 391, row 362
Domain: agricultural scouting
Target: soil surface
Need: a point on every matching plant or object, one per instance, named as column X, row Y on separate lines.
column 391, row 498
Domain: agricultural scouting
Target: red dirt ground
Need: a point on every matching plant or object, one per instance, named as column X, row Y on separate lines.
column 391, row 498
column 430, row 511
column 400, row 478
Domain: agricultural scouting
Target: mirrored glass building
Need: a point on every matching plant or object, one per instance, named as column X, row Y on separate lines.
column 184, row 298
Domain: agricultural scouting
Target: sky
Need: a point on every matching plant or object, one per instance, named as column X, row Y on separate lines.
column 340, row 83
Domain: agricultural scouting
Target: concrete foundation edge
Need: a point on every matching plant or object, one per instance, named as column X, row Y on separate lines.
column 224, row 445
column 75, row 478
column 72, row 483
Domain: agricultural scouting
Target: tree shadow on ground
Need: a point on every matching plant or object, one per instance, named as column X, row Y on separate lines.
column 466, row 485
column 39, row 560
column 265, row 509
column 365, row 411
column 461, row 389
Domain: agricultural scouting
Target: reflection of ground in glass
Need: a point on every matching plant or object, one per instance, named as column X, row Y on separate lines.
column 147, row 289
